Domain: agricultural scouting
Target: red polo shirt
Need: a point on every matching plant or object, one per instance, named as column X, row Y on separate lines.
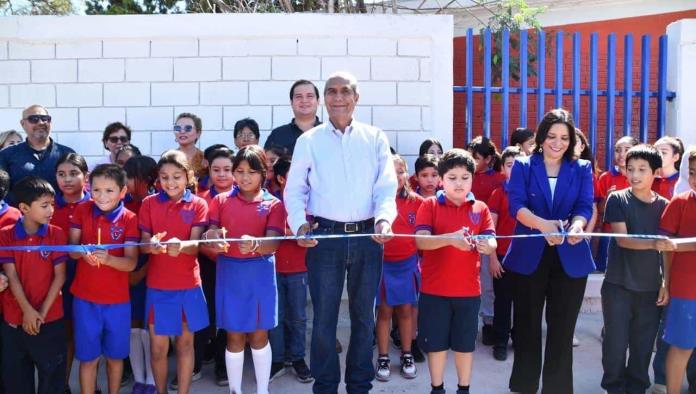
column 400, row 248
column 610, row 178
column 448, row 271
column 64, row 211
column 8, row 215
column 665, row 186
column 485, row 182
column 158, row 214
column 34, row 269
column 499, row 205
column 679, row 220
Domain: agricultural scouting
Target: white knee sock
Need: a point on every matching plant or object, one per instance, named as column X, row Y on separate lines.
column 145, row 338
column 235, row 367
column 262, row 367
column 137, row 357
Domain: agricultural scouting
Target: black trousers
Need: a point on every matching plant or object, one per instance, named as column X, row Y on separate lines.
column 563, row 295
column 46, row 352
column 502, row 308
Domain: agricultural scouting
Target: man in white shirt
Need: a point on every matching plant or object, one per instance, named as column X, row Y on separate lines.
column 342, row 175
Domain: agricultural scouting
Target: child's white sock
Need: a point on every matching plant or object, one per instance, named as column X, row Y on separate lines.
column 235, row 366
column 262, row 367
column 145, row 337
column 137, row 358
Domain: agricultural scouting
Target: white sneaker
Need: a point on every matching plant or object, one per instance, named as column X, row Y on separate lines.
column 408, row 366
column 576, row 342
column 658, row 389
column 383, row 373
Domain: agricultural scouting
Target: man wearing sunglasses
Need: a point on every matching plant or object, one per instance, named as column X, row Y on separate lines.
column 38, row 154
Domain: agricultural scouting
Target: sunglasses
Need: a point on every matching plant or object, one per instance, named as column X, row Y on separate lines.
column 34, row 119
column 186, row 129
column 116, row 140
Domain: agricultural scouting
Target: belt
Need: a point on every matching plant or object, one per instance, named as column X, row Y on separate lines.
column 346, row 227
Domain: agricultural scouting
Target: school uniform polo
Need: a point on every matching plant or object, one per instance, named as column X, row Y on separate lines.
column 485, row 182
column 8, row 215
column 665, row 186
column 64, row 211
column 613, row 177
column 400, row 248
column 290, row 257
column 35, row 269
column 499, row 204
column 208, row 194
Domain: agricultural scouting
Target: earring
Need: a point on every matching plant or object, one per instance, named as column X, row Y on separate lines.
column 541, row 150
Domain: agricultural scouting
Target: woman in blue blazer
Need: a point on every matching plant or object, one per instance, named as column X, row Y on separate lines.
column 549, row 192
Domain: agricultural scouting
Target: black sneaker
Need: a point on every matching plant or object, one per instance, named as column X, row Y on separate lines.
column 277, row 370
column 302, row 372
column 433, row 390
column 396, row 337
column 196, row 376
column 488, row 335
column 221, row 375
column 500, row 352
column 418, row 355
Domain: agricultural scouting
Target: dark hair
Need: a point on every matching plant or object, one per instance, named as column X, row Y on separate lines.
column 425, row 161
column 4, row 184
column 281, row 167
column 392, row 150
column 645, row 152
column 209, row 151
column 627, row 138
column 247, row 122
column 141, row 168
column 485, row 148
column 586, row 153
column 510, row 151
column 677, row 146
column 278, row 150
column 255, row 156
column 178, row 159
column 556, row 116
column 74, row 159
column 456, row 158
column 426, row 144
column 303, row 82
column 197, row 122
column 109, row 171
column 30, row 189
column 224, row 153
column 129, row 148
column 521, row 135
column 114, row 127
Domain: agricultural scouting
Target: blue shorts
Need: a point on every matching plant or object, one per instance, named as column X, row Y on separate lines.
column 70, row 268
column 246, row 296
column 400, row 282
column 680, row 325
column 447, row 323
column 101, row 329
column 167, row 309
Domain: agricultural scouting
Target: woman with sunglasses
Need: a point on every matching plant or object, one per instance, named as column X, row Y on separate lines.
column 187, row 131
column 115, row 136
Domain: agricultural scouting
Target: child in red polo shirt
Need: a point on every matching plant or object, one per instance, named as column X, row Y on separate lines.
column 175, row 303
column 679, row 220
column 451, row 287
column 246, row 295
column 101, row 304
column 672, row 150
column 502, row 287
column 33, row 334
column 426, row 175
column 8, row 214
column 288, row 338
column 428, row 146
column 398, row 288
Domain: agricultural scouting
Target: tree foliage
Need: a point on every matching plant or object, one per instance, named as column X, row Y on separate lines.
column 36, row 7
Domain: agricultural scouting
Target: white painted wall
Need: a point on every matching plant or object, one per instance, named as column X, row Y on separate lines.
column 144, row 70
column 681, row 48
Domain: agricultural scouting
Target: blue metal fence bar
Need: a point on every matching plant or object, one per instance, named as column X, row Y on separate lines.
column 505, row 80
column 628, row 84
column 559, row 70
column 644, row 85
column 662, row 87
column 487, row 83
column 523, row 78
column 469, row 84
column 594, row 37
column 577, row 43
column 566, row 92
column 541, row 74
column 611, row 86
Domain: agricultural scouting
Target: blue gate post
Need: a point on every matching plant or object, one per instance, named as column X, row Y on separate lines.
column 487, row 83
column 505, row 80
column 611, row 94
column 662, row 87
column 523, row 78
column 469, row 84
column 593, row 91
column 644, row 86
column 541, row 74
column 577, row 44
column 628, row 84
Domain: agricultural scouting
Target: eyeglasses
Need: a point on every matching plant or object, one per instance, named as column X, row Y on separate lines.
column 186, row 129
column 34, row 119
column 246, row 136
column 116, row 140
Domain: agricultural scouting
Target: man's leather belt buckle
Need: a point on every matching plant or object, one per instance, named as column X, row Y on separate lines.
column 351, row 227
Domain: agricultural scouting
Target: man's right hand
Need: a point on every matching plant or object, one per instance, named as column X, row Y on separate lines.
column 304, row 230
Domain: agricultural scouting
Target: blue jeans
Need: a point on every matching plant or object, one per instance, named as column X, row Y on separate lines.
column 288, row 338
column 327, row 265
column 661, row 358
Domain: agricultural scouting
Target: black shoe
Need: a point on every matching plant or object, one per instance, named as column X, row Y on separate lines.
column 437, row 391
column 302, row 372
column 418, row 355
column 196, row 376
column 126, row 377
column 67, row 390
column 396, row 337
column 462, row 391
column 277, row 370
column 500, row 352
column 339, row 347
column 221, row 375
column 488, row 335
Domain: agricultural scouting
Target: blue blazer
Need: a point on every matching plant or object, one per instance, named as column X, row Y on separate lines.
column 574, row 194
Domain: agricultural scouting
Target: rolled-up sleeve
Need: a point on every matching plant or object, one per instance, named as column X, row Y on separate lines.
column 296, row 191
column 585, row 198
column 517, row 188
column 384, row 189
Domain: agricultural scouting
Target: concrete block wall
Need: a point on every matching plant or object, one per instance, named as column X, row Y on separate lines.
column 90, row 71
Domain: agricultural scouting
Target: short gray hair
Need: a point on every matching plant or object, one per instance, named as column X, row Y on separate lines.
column 346, row 76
